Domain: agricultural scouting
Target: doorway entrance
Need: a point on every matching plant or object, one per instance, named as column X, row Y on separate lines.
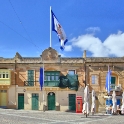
column 51, row 101
column 3, row 98
column 35, row 101
column 72, row 103
column 21, row 101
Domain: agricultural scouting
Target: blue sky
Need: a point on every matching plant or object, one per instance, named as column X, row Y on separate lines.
column 93, row 25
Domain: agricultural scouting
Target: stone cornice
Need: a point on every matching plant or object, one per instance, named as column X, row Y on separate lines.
column 104, row 59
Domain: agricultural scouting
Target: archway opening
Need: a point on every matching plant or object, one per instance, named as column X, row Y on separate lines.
column 51, row 101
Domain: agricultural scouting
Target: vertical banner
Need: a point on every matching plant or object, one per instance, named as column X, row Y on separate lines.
column 41, row 78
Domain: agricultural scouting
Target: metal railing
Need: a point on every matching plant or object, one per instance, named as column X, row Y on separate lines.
column 114, row 87
column 29, row 83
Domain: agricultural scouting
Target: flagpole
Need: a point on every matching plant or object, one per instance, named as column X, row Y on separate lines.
column 108, row 79
column 43, row 90
column 50, row 29
column 108, row 87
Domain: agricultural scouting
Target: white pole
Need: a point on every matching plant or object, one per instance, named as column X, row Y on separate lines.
column 108, row 79
column 108, row 87
column 50, row 28
column 43, row 90
column 43, row 81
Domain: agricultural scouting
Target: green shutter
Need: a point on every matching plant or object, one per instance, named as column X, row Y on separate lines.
column 30, row 77
column 51, row 78
column 113, row 80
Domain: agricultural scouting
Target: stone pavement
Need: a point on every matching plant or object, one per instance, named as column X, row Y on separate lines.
column 10, row 116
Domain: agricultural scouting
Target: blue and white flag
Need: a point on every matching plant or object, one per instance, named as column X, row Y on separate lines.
column 108, row 81
column 56, row 26
column 41, row 78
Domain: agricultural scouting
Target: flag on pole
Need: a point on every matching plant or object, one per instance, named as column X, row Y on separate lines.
column 41, row 78
column 108, row 80
column 56, row 26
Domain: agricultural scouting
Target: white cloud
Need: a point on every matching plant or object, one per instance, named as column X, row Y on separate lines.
column 93, row 29
column 68, row 48
column 113, row 45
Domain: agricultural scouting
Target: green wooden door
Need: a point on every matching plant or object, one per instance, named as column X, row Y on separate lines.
column 51, row 101
column 72, row 102
column 30, row 77
column 21, row 101
column 35, row 101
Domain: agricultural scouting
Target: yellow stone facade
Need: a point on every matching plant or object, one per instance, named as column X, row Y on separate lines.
column 84, row 67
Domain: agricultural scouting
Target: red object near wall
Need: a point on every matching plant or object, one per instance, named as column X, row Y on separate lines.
column 79, row 105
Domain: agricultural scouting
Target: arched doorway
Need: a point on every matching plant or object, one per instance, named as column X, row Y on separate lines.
column 51, row 101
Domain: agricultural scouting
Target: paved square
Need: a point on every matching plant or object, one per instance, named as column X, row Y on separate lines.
column 10, row 116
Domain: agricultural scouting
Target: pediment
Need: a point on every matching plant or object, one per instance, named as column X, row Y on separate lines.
column 49, row 54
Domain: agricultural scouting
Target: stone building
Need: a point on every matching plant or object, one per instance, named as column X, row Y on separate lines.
column 20, row 88
column 97, row 68
column 64, row 79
